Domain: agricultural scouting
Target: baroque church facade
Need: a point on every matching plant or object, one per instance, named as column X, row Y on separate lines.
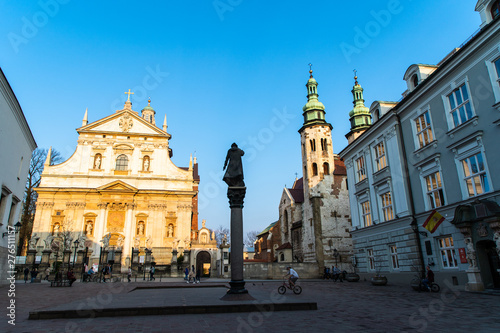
column 121, row 190
column 314, row 217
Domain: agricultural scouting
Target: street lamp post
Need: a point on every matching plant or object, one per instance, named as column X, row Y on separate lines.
column 74, row 255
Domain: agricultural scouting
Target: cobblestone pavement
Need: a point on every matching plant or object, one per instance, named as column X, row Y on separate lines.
column 342, row 307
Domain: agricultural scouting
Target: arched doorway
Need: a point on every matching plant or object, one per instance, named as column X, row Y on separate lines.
column 203, row 263
column 489, row 263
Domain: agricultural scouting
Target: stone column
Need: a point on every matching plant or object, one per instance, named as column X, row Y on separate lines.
column 102, row 224
column 318, row 232
column 45, row 261
column 117, row 266
column 66, row 257
column 129, row 234
column 173, row 265
column 236, row 194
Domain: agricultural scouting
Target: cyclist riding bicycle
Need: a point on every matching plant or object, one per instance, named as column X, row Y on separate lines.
column 292, row 276
column 429, row 278
column 88, row 275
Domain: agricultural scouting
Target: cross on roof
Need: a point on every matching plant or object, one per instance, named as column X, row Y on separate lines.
column 129, row 93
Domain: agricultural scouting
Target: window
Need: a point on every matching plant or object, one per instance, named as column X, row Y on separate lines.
column 380, row 156
column 365, row 211
column 394, row 256
column 387, row 210
column 326, row 168
column 414, row 80
column 121, row 162
column 497, row 67
column 460, row 106
column 475, row 175
column 360, row 166
column 448, row 258
column 315, row 169
column 434, row 190
column 313, row 144
column 371, row 259
column 424, row 131
column 323, row 144
column 495, row 10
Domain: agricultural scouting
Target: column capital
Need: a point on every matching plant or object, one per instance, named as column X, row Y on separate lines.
column 236, row 194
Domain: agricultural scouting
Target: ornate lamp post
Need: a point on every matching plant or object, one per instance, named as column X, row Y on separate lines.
column 74, row 255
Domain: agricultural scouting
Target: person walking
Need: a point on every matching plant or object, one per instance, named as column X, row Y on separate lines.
column 129, row 274
column 47, row 273
column 152, row 273
column 26, row 274
column 198, row 275
column 186, row 273
column 105, row 271
column 34, row 273
column 71, row 277
column 191, row 274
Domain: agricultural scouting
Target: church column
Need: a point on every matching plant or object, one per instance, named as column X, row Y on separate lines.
column 128, row 236
column 100, row 231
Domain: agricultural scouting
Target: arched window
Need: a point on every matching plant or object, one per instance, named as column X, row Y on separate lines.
column 313, row 144
column 285, row 218
column 323, row 144
column 414, row 80
column 121, row 162
column 326, row 168
column 315, row 169
column 495, row 10
column 282, row 257
column 377, row 114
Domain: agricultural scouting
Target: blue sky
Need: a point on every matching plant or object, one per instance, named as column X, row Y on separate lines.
column 222, row 71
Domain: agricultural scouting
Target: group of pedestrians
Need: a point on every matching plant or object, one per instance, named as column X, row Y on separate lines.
column 192, row 274
column 335, row 274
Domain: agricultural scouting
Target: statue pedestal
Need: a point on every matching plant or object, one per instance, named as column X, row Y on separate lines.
column 173, row 265
column 237, row 292
column 45, row 261
column 475, row 282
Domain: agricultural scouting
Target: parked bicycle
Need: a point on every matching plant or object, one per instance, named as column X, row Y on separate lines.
column 282, row 289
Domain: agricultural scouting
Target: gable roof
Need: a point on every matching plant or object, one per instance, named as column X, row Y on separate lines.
column 111, row 123
column 287, row 245
column 269, row 227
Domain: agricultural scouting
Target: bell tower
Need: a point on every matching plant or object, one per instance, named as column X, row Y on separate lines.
column 316, row 139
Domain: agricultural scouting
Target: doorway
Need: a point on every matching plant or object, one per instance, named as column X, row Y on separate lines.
column 203, row 263
column 489, row 263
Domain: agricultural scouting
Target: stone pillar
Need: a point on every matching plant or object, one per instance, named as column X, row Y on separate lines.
column 173, row 265
column 30, row 258
column 79, row 261
column 117, row 266
column 129, row 234
column 236, row 194
column 45, row 262
column 66, row 257
column 475, row 283
column 101, row 227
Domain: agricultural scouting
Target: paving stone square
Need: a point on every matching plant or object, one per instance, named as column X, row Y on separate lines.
column 342, row 307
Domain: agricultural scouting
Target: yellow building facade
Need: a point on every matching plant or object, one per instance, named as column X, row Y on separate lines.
column 121, row 187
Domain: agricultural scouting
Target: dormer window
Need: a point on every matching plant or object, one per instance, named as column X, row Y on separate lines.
column 495, row 10
column 377, row 114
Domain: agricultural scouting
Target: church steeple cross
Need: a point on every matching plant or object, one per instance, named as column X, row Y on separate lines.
column 129, row 93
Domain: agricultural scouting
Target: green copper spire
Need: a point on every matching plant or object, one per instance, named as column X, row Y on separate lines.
column 360, row 116
column 314, row 110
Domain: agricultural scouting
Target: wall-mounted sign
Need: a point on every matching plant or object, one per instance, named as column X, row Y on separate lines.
column 463, row 255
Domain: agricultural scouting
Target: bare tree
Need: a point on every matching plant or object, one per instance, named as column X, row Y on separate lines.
column 250, row 238
column 37, row 162
column 220, row 232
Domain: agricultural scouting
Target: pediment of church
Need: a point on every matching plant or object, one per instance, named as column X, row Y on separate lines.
column 117, row 186
column 123, row 122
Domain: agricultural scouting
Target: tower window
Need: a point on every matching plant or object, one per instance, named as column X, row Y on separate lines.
column 315, row 169
column 323, row 144
column 326, row 168
column 313, row 144
column 122, row 162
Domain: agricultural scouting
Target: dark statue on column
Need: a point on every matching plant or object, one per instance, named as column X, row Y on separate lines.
column 236, row 193
column 234, row 172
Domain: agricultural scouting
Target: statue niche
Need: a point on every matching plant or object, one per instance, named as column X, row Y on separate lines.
column 170, row 230
column 89, row 228
column 140, row 228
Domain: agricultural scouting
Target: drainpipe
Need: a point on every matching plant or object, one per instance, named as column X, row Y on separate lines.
column 413, row 223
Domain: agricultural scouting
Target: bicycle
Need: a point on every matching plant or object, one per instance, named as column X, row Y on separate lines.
column 282, row 289
column 418, row 285
column 92, row 278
